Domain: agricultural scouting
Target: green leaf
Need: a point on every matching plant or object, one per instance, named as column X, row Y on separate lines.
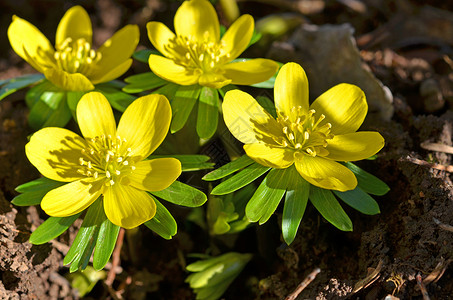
column 105, row 243
column 32, row 192
column 293, row 210
column 163, row 222
column 12, row 85
column 360, row 201
column 229, row 168
column 143, row 55
column 208, row 112
column 255, row 38
column 81, row 249
column 241, row 179
column 51, row 110
column 182, row 105
column 73, row 99
column 34, row 94
column 85, row 281
column 143, row 82
column 52, row 228
column 267, row 104
column 222, row 91
column 267, row 196
column 368, row 183
column 119, row 100
column 182, row 194
column 168, row 90
column 189, row 162
column 329, row 208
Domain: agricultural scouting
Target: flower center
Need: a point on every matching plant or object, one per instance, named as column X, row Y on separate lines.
column 201, row 56
column 302, row 132
column 76, row 56
column 106, row 157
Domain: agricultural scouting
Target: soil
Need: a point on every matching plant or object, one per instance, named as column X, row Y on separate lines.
column 407, row 45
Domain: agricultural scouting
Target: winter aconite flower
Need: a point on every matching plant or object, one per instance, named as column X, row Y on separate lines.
column 107, row 162
column 73, row 65
column 197, row 55
column 312, row 137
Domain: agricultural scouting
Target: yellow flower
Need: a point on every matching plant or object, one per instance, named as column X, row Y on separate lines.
column 107, row 161
column 313, row 137
column 196, row 54
column 74, row 65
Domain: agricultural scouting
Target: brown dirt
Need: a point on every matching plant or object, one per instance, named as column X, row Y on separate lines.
column 414, row 62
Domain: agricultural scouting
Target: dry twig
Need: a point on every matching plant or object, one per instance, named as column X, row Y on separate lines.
column 420, row 162
column 303, row 284
column 422, row 287
column 115, row 258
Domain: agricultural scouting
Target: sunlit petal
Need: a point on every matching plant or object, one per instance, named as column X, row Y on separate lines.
column 112, row 74
column 159, row 35
column 250, row 71
column 55, row 152
column 145, row 124
column 325, row 173
column 344, row 106
column 270, row 156
column 127, row 206
column 71, row 198
column 291, row 89
column 215, row 81
column 197, row 19
column 67, row 81
column 95, row 116
column 242, row 114
column 75, row 24
column 238, row 36
column 156, row 174
column 170, row 71
column 354, row 146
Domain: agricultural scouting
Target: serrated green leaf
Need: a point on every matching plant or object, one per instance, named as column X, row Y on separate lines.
column 163, row 222
column 368, row 183
column 73, row 99
column 81, row 249
column 360, row 201
column 182, row 105
column 117, row 99
column 34, row 94
column 208, row 112
column 295, row 203
column 168, row 90
column 105, row 243
column 267, row 196
column 12, row 85
column 229, row 168
column 32, row 192
column 51, row 228
column 268, row 105
column 327, row 205
column 50, row 111
column 241, row 179
column 189, row 162
column 182, row 194
column 143, row 82
column 143, row 55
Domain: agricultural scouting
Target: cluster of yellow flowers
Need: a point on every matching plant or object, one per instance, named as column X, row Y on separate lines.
column 112, row 162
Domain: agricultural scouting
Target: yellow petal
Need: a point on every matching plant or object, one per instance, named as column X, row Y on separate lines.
column 238, row 36
column 168, row 70
column 270, row 156
column 156, row 174
column 197, row 19
column 128, row 207
column 75, row 24
column 354, row 146
column 242, row 114
column 68, row 82
column 159, row 35
column 25, row 36
column 55, row 152
column 145, row 124
column 215, row 81
column 291, row 89
column 112, row 74
column 344, row 106
column 95, row 116
column 250, row 71
column 71, row 198
column 325, row 173
column 116, row 50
